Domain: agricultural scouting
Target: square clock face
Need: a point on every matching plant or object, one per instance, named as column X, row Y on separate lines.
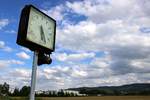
column 36, row 30
column 40, row 29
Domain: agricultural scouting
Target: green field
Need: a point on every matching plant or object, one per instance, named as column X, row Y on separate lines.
column 86, row 98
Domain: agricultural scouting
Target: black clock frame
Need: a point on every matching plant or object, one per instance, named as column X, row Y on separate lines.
column 22, row 31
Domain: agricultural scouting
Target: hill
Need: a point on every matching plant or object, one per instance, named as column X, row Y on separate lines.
column 130, row 89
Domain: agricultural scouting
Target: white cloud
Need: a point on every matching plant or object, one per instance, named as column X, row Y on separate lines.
column 4, row 47
column 25, row 49
column 78, row 73
column 22, row 73
column 56, row 12
column 2, row 43
column 16, row 62
column 105, row 36
column 3, row 23
column 101, row 62
column 7, row 49
column 7, row 63
column 11, row 31
column 103, row 10
column 23, row 55
column 73, row 57
column 18, row 77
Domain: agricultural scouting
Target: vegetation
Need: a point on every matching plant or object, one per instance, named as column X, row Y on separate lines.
column 60, row 93
column 25, row 90
column 86, row 98
column 133, row 89
column 125, row 90
column 4, row 89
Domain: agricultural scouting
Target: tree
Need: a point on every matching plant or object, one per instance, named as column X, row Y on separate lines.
column 5, row 89
column 16, row 92
column 1, row 90
column 61, row 93
column 25, row 91
column 54, row 94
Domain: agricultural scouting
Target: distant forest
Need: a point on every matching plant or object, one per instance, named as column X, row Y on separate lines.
column 132, row 89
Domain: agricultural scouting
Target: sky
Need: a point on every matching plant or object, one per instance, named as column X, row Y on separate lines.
column 98, row 43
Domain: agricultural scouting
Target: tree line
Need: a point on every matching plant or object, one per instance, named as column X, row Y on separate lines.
column 133, row 89
column 60, row 93
column 129, row 89
column 4, row 90
column 25, row 91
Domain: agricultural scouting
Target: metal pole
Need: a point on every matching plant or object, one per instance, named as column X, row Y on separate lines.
column 33, row 77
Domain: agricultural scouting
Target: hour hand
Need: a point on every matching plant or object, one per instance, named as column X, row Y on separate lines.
column 42, row 34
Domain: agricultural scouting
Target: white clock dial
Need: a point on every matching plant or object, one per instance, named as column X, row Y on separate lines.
column 40, row 29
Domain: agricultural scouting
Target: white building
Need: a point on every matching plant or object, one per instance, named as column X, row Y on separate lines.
column 74, row 92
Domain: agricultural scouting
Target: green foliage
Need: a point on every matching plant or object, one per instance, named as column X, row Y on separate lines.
column 4, row 89
column 61, row 93
column 25, row 91
column 133, row 89
column 16, row 92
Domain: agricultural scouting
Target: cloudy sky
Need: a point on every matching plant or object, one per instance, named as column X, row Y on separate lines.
column 98, row 43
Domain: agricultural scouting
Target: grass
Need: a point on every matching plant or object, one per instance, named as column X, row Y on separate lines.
column 83, row 98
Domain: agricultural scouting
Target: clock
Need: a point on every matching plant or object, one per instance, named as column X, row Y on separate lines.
column 36, row 30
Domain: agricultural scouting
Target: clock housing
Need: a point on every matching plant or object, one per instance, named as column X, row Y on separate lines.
column 37, row 31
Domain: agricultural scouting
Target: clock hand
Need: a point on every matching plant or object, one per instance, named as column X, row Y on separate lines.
column 42, row 34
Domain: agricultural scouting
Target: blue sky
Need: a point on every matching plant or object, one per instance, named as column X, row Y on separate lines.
column 100, row 42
